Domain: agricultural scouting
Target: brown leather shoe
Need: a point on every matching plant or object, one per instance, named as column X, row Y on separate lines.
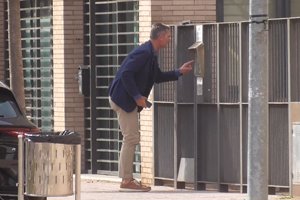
column 133, row 186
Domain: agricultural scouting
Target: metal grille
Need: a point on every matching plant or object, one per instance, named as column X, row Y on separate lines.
column 165, row 91
column 278, row 66
column 229, row 144
column 207, row 144
column 229, row 63
column 221, row 131
column 185, row 39
column 174, row 106
column 164, row 140
column 185, row 131
column 210, row 78
column 245, row 60
column 36, row 33
column 244, row 142
column 295, row 59
column 278, row 145
column 111, row 32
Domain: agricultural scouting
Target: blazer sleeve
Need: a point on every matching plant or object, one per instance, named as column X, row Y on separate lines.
column 166, row 76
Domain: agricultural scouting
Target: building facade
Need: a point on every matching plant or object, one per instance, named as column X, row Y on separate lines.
column 59, row 36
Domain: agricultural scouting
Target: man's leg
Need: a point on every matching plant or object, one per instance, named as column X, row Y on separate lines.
column 131, row 137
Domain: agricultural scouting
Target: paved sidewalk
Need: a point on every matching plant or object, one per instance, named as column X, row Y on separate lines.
column 97, row 187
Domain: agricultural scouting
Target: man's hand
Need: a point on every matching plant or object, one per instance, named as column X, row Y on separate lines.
column 186, row 67
column 141, row 102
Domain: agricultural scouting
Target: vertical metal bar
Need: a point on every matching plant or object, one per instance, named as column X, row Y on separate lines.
column 272, row 60
column 277, row 74
column 289, row 106
column 195, row 129
column 234, row 63
column 277, row 95
column 229, row 66
column 238, row 63
column 195, row 137
column 117, row 53
column 221, row 82
column 154, row 130
column 224, row 90
column 241, row 105
column 175, row 110
column 218, row 105
column 214, row 60
column 280, row 72
column 92, row 88
column 20, row 167
column 77, row 171
column 281, row 60
column 270, row 57
column 228, row 70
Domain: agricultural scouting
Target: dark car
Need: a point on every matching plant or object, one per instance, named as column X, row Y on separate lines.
column 12, row 123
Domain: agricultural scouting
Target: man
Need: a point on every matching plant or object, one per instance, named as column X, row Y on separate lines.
column 128, row 96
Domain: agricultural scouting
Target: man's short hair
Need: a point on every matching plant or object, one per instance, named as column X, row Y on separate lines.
column 157, row 29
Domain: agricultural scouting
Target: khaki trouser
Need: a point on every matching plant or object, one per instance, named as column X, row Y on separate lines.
column 131, row 137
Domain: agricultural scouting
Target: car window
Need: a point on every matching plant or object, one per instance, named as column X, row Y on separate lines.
column 8, row 107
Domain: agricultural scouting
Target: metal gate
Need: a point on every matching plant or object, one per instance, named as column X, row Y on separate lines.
column 111, row 32
column 204, row 117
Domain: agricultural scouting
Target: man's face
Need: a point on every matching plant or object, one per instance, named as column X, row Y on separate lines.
column 164, row 39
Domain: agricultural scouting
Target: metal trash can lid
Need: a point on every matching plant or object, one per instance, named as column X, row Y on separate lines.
column 65, row 137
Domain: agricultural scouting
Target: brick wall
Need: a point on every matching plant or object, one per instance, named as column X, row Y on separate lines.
column 169, row 12
column 176, row 11
column 146, row 115
column 67, row 56
column 2, row 40
column 58, row 65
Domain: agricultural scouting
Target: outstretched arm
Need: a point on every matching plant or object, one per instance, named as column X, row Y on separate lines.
column 173, row 75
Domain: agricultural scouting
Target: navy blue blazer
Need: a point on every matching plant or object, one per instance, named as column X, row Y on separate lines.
column 136, row 77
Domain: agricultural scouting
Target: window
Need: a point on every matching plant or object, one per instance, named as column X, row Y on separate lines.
column 8, row 107
column 238, row 10
column 111, row 32
column 36, row 31
column 36, row 37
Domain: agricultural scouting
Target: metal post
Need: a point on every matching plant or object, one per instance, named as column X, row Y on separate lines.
column 241, row 106
column 290, row 107
column 77, row 172
column 175, row 114
column 218, row 110
column 258, row 101
column 93, row 111
column 20, row 168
